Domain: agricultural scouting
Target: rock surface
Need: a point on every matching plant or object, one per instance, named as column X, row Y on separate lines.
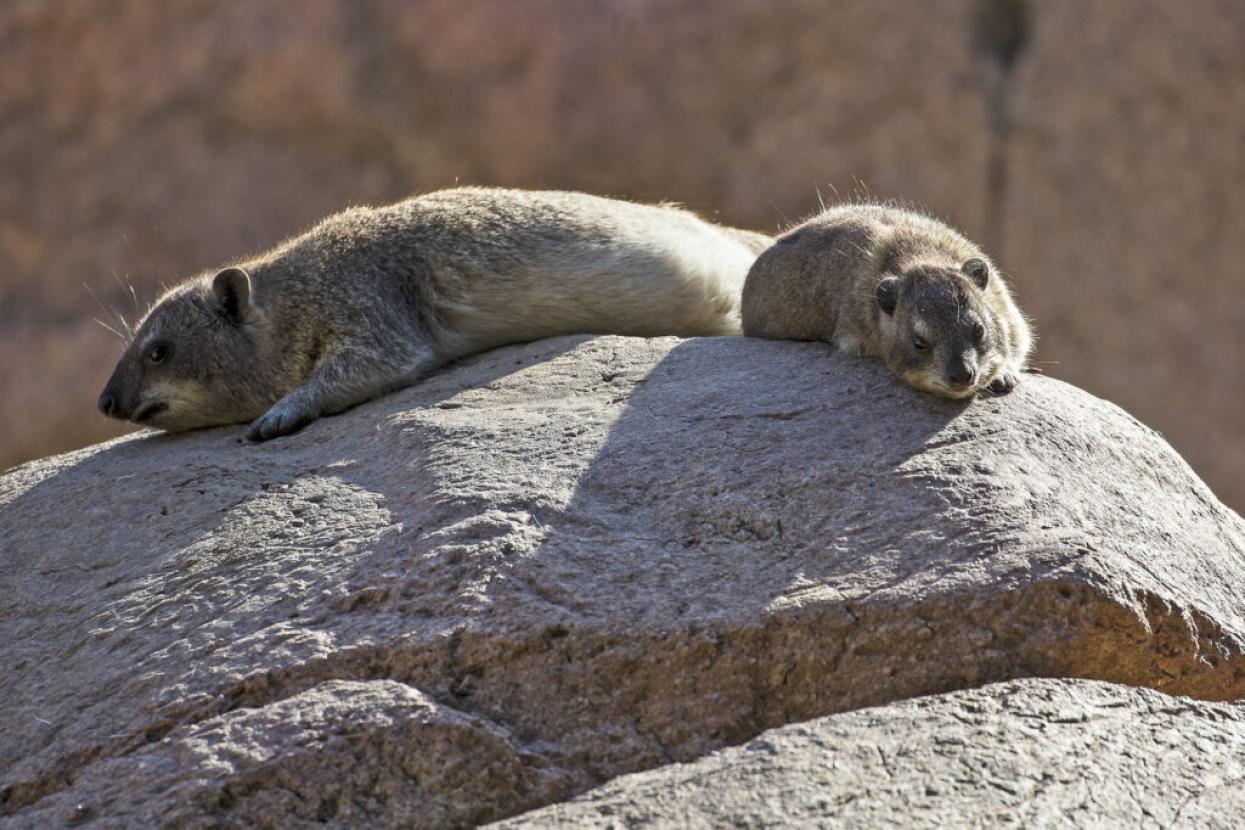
column 1093, row 148
column 1023, row 754
column 561, row 562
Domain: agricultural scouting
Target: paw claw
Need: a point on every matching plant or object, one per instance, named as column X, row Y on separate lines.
column 1004, row 383
column 278, row 421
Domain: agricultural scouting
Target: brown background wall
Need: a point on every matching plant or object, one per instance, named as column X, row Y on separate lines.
column 1095, row 148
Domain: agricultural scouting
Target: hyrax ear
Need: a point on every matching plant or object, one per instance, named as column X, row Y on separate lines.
column 232, row 288
column 977, row 271
column 887, row 292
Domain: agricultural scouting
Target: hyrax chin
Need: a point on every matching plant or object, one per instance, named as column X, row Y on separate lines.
column 885, row 282
column 372, row 299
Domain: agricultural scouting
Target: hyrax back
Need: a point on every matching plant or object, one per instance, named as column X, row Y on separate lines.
column 372, row 299
column 886, row 282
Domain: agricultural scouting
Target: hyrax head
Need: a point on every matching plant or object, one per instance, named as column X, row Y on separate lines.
column 193, row 360
column 940, row 333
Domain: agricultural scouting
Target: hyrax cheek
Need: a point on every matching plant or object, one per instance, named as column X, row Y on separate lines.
column 924, row 380
column 181, row 396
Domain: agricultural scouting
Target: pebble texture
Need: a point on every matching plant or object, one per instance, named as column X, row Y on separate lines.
column 561, row 562
column 1030, row 753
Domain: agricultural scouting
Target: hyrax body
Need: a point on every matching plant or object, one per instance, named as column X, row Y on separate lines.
column 373, row 299
column 886, row 282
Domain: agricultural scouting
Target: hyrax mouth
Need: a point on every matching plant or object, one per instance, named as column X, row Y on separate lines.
column 956, row 393
column 932, row 384
column 148, row 411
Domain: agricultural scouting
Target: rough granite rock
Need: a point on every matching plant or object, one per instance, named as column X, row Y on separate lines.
column 1029, row 753
column 1092, row 148
column 561, row 562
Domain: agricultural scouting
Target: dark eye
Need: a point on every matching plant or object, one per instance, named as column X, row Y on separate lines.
column 979, row 332
column 919, row 343
column 159, row 352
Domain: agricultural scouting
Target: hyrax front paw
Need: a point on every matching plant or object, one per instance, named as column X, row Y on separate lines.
column 1004, row 383
column 284, row 418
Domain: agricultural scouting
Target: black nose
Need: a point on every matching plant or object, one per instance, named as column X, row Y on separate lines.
column 960, row 373
column 107, row 404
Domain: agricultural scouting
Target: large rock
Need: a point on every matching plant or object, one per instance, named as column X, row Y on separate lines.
column 1030, row 753
column 1093, row 148
column 565, row 561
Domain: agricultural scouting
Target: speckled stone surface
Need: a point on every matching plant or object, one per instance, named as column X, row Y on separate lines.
column 1028, row 753
column 562, row 562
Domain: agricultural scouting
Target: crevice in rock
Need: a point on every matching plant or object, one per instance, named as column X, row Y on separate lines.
column 1001, row 33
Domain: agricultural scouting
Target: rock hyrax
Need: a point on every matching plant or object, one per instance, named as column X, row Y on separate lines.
column 373, row 299
column 886, row 282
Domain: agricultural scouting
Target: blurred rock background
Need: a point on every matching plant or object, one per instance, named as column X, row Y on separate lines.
column 1094, row 148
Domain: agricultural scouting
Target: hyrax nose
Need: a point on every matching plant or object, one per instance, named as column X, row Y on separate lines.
column 960, row 373
column 108, row 404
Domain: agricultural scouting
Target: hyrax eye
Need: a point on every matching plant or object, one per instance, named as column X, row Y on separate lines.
column 159, row 352
column 979, row 332
column 919, row 343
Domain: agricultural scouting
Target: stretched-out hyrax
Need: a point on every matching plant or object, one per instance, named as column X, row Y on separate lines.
column 373, row 299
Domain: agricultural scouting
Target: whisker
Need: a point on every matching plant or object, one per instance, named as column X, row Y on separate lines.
column 126, row 285
column 109, row 310
column 94, row 297
column 119, row 335
column 99, row 302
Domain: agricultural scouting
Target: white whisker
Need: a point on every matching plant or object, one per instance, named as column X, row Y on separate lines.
column 119, row 335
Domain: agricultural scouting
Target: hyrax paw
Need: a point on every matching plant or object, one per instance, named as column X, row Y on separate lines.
column 282, row 419
column 1004, row 383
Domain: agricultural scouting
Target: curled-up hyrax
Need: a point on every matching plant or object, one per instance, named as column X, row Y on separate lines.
column 886, row 282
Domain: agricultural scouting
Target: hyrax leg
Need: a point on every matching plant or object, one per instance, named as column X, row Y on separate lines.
column 341, row 380
column 1008, row 378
